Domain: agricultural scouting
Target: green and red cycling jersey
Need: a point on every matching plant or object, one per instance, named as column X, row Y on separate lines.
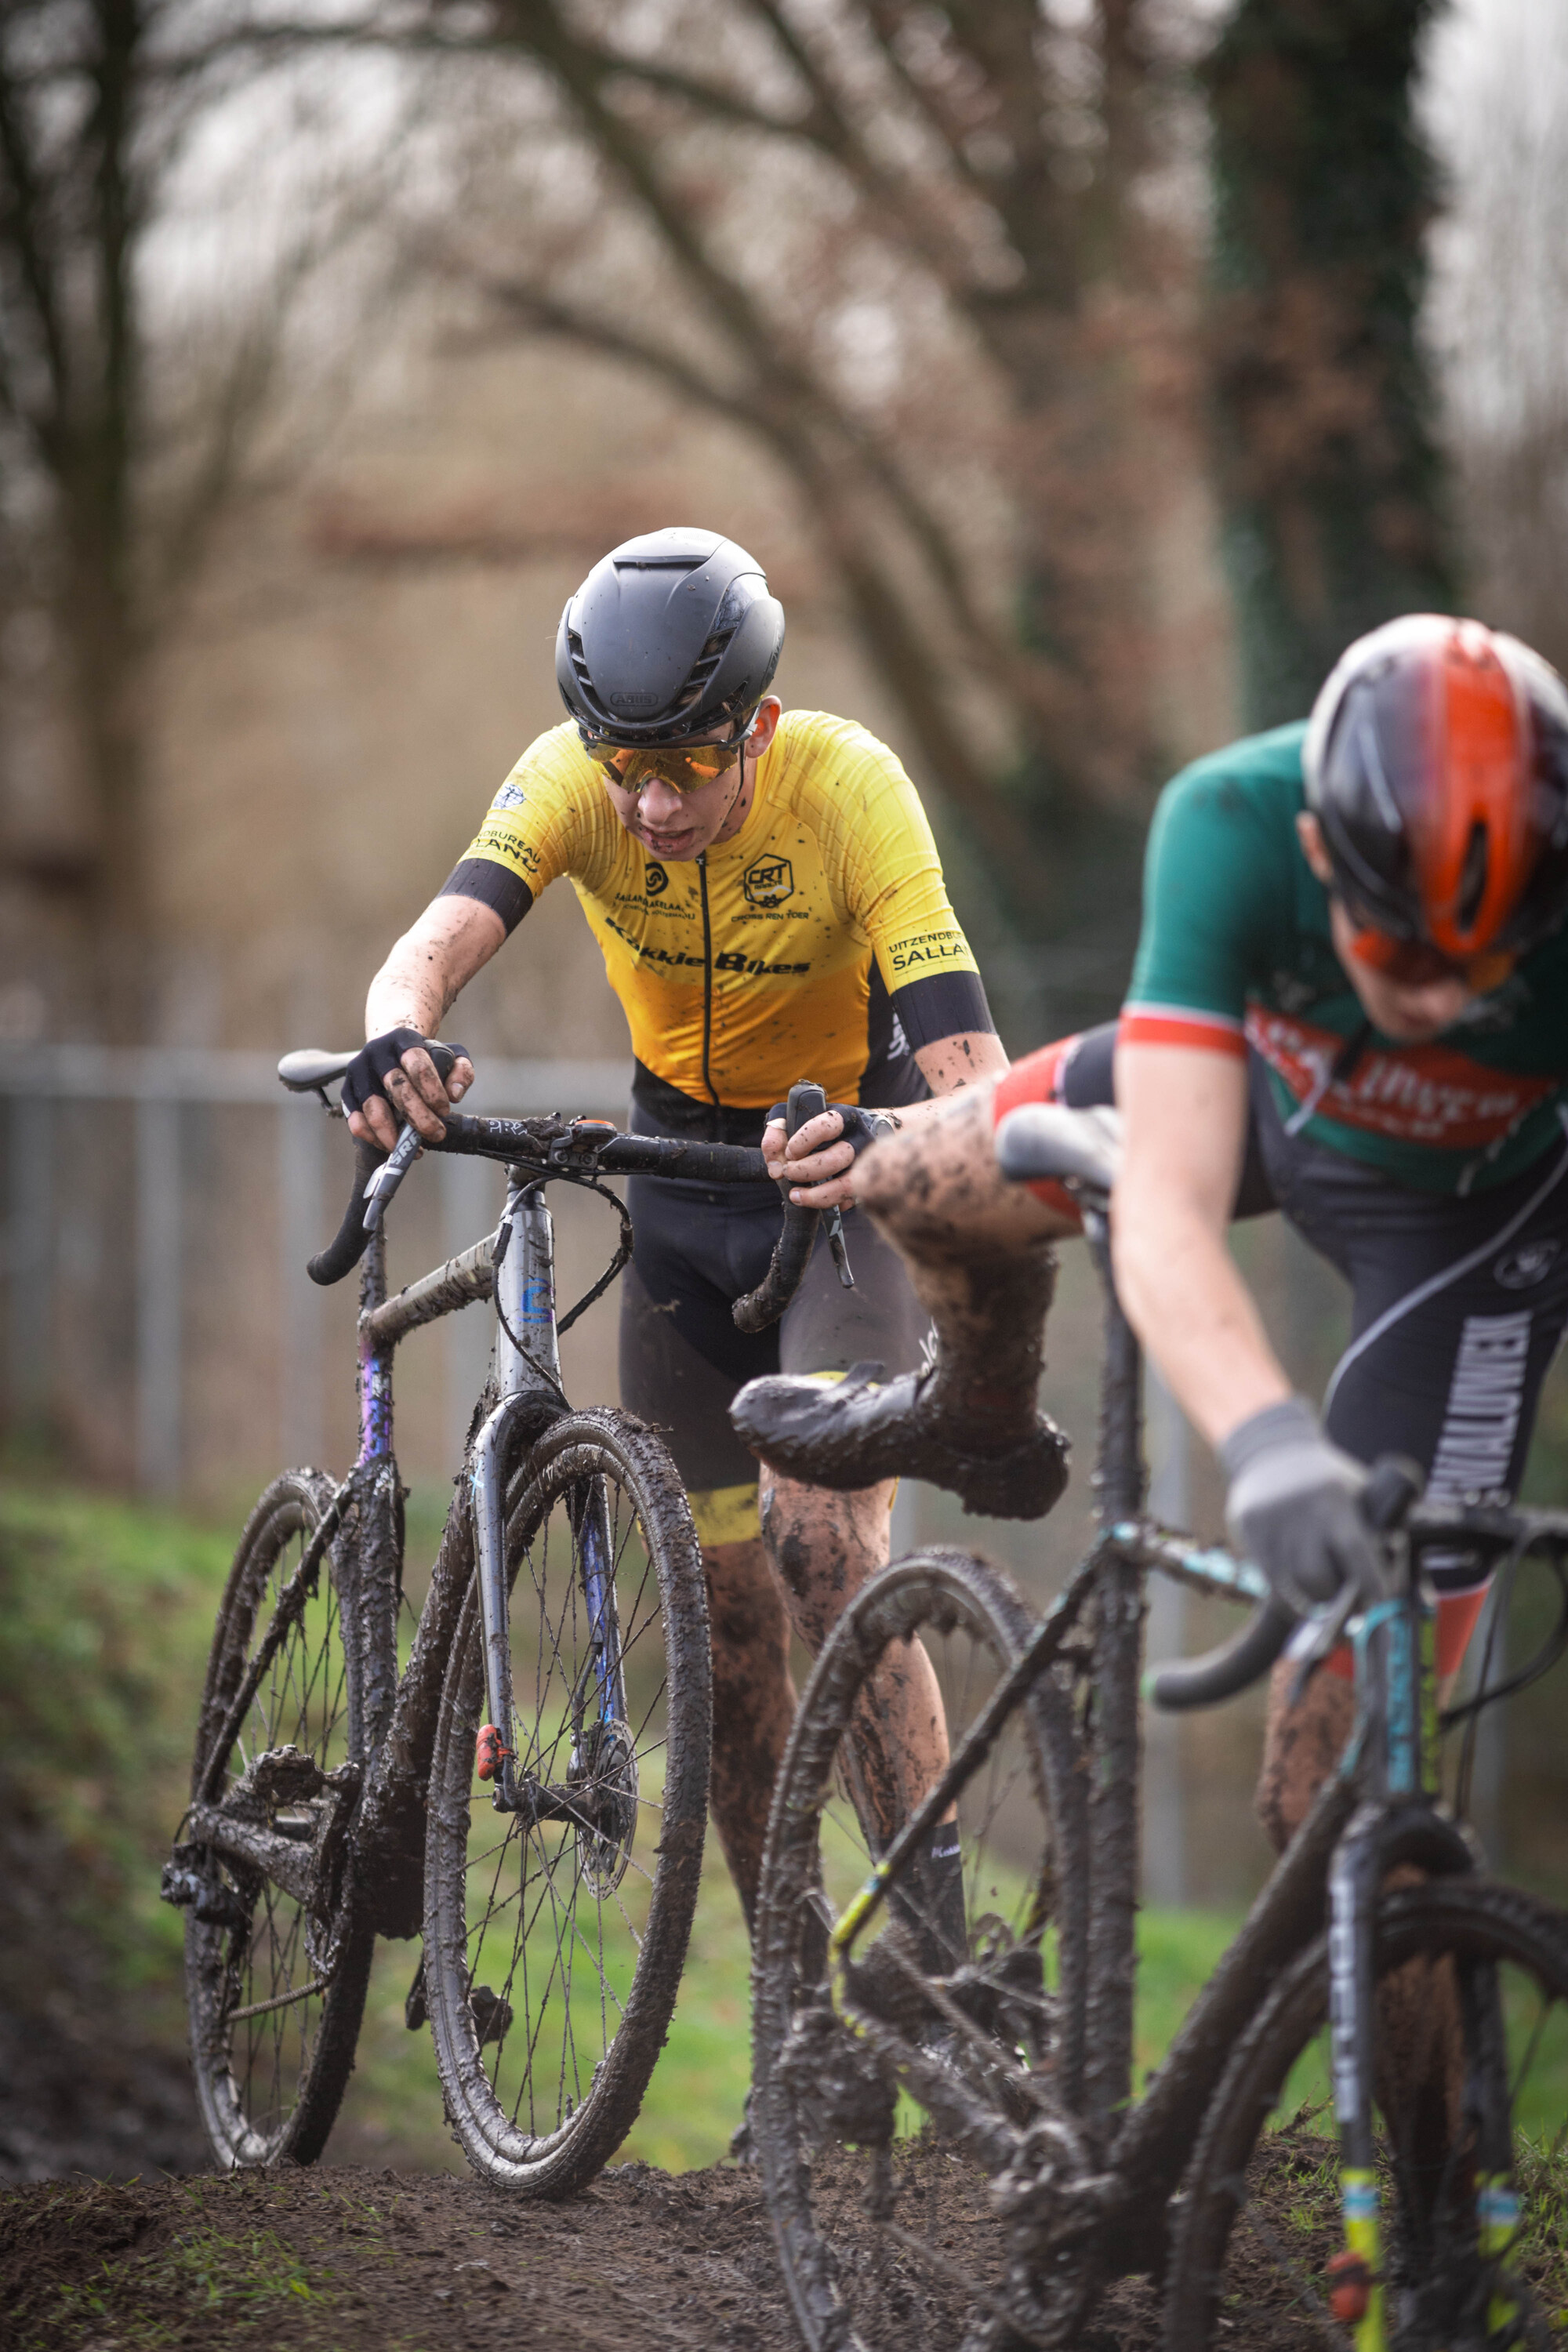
column 1235, row 952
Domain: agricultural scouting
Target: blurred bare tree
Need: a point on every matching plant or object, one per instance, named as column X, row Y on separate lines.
column 1014, row 190
column 1329, row 462
column 124, row 421
column 946, row 263
column 940, row 262
column 1500, row 303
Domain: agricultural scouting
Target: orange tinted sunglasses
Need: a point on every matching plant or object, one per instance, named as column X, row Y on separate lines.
column 684, row 771
column 1412, row 963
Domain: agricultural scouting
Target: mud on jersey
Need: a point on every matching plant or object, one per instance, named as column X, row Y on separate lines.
column 819, row 942
column 1236, row 950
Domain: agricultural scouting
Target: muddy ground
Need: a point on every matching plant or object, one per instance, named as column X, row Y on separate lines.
column 341, row 2260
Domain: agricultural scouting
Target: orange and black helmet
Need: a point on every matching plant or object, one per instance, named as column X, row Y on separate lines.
column 1436, row 765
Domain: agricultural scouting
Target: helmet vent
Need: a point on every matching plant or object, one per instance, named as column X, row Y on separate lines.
column 579, row 660
column 1473, row 880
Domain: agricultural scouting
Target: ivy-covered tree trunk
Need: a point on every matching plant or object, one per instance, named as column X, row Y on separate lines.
column 1330, row 476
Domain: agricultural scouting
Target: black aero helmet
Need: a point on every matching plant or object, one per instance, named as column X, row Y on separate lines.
column 670, row 636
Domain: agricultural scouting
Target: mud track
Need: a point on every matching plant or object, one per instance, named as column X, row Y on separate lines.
column 339, row 2260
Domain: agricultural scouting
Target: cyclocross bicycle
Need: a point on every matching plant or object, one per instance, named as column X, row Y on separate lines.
column 949, row 2147
column 531, row 1795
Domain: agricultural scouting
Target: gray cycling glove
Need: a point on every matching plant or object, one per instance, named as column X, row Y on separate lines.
column 1294, row 1506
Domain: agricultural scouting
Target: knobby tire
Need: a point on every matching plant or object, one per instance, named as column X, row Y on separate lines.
column 1234, row 2259
column 554, row 1948
column 831, row 2126
column 268, row 2086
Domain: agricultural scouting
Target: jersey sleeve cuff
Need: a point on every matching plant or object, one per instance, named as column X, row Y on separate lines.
column 493, row 885
column 943, row 1004
column 1181, row 1025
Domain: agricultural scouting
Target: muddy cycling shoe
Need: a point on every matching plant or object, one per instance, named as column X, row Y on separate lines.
column 857, row 1430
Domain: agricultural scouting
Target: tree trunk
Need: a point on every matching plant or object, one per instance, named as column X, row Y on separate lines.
column 1327, row 470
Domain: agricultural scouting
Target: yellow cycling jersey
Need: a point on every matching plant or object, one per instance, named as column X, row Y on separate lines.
column 819, row 942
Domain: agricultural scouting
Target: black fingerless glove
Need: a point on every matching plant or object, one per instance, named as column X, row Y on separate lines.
column 368, row 1072
column 861, row 1127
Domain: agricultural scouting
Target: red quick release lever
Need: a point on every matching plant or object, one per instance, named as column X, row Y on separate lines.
column 1350, row 2286
column 490, row 1749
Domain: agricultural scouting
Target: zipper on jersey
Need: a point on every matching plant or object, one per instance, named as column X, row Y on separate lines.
column 707, row 976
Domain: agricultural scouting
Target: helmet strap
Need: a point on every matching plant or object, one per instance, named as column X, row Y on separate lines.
column 740, row 785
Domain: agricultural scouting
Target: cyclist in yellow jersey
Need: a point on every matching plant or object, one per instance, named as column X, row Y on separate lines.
column 770, row 904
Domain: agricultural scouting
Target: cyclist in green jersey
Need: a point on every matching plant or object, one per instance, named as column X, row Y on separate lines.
column 770, row 904
column 1349, row 1003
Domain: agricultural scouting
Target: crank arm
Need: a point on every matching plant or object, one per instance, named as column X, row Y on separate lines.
column 286, row 1861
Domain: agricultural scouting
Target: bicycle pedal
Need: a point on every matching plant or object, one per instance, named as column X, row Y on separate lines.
column 492, row 2014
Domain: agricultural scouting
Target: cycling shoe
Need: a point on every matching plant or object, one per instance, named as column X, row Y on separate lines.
column 855, row 1431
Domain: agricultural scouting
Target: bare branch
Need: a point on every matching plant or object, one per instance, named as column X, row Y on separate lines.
column 21, row 228
column 898, row 643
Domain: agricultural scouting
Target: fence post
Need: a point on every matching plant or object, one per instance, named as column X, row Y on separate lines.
column 158, row 1294
column 301, row 1230
column 1164, row 1811
column 30, row 1257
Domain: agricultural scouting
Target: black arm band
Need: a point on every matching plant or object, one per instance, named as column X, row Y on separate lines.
column 943, row 1004
column 492, row 885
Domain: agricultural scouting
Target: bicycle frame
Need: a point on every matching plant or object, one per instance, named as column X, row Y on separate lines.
column 1377, row 1811
column 528, row 1373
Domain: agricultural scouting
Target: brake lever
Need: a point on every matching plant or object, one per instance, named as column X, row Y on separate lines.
column 378, row 1193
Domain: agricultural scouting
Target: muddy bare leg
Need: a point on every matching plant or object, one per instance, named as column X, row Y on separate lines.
column 979, row 1257
column 753, row 1703
column 1420, row 2044
column 1301, row 1746
column 824, row 1546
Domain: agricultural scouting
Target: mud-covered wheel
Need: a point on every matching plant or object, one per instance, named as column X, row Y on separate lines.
column 555, row 1932
column 879, row 2172
column 275, row 1987
column 1472, row 2257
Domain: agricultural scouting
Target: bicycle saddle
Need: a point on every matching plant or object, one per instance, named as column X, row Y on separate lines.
column 1046, row 1141
column 303, row 1071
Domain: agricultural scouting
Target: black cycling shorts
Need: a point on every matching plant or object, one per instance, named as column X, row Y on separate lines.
column 698, row 1248
column 1458, row 1304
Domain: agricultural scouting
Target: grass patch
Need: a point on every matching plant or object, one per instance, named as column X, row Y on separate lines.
column 248, row 2282
column 105, row 1613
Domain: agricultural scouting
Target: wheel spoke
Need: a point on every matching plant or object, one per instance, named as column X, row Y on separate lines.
column 561, row 1911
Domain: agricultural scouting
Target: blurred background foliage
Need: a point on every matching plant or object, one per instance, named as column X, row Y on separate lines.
column 1085, row 372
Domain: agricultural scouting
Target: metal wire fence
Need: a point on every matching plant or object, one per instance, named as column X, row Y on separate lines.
column 160, row 1207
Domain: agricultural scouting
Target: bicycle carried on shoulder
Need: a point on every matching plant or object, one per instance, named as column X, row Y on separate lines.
column 531, row 1794
column 949, row 2147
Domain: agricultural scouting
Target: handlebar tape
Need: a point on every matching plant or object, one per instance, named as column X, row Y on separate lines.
column 791, row 1251
column 350, row 1241
column 348, row 1244
column 1222, row 1673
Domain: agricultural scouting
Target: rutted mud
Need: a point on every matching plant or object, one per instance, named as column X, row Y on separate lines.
column 356, row 2261
column 338, row 2259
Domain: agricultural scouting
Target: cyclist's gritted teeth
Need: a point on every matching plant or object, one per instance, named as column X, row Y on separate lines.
column 673, row 843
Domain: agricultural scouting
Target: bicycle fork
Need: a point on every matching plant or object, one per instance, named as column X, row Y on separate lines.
column 1399, row 1825
column 528, row 1371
